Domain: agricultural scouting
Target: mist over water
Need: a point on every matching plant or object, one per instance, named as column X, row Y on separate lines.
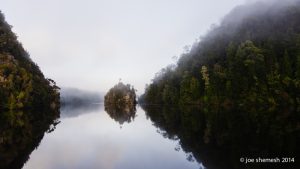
column 89, row 46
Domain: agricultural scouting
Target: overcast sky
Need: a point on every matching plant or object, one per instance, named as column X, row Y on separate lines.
column 90, row 44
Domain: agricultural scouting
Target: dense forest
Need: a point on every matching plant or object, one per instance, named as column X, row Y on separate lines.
column 29, row 103
column 22, row 83
column 250, row 60
column 236, row 92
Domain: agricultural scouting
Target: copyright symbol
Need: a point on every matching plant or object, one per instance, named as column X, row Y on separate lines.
column 242, row 160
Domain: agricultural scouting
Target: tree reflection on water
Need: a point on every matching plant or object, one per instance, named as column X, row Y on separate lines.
column 121, row 113
column 22, row 134
column 219, row 138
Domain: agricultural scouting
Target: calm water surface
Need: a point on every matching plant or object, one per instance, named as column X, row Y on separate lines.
column 88, row 138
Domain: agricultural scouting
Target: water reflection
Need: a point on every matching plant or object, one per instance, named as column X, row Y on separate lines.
column 93, row 140
column 75, row 110
column 220, row 138
column 191, row 137
column 75, row 102
column 20, row 133
column 121, row 114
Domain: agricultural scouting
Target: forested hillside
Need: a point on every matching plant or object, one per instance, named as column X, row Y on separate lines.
column 22, row 84
column 29, row 103
column 250, row 60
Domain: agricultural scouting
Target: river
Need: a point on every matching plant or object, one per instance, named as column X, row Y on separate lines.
column 90, row 138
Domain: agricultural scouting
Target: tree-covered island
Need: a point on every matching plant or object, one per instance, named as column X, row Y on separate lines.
column 120, row 102
column 121, row 95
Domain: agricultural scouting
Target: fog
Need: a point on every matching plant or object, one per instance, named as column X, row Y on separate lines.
column 69, row 94
column 238, row 17
column 259, row 7
column 74, row 101
column 91, row 44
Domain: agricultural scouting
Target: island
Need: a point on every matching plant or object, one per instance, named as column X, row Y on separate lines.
column 120, row 101
column 121, row 95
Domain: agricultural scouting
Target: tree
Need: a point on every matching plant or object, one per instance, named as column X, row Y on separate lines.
column 286, row 65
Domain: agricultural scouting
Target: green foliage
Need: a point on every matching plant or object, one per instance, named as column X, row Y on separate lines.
column 29, row 103
column 237, row 65
column 22, row 84
column 243, row 77
column 286, row 65
column 24, row 95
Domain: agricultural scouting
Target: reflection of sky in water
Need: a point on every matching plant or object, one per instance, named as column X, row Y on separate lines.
column 95, row 141
column 68, row 111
